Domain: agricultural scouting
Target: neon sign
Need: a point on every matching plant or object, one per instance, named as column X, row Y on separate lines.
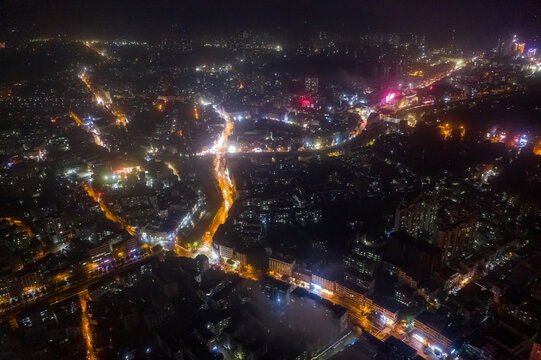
column 390, row 97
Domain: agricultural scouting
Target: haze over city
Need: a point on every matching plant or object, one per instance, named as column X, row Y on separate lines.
column 273, row 180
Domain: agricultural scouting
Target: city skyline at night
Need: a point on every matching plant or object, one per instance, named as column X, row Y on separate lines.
column 270, row 180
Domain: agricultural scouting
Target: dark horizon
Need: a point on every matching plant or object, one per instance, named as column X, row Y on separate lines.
column 470, row 23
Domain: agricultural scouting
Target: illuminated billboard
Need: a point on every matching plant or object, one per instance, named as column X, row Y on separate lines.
column 389, row 97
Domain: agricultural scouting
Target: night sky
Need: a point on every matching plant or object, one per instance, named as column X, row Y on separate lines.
column 472, row 21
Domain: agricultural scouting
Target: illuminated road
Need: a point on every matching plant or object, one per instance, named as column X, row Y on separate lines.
column 459, row 65
column 18, row 223
column 314, row 148
column 174, row 170
column 336, row 346
column 84, row 297
column 226, row 186
column 120, row 117
column 58, row 295
column 89, row 129
column 401, row 113
column 396, row 330
column 98, row 51
column 108, row 213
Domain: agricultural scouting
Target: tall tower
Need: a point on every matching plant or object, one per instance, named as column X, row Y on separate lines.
column 311, row 84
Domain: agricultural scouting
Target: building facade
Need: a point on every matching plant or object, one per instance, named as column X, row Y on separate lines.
column 282, row 267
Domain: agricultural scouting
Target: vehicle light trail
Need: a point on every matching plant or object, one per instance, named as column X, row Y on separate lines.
column 100, row 52
column 174, row 170
column 120, row 117
column 89, row 129
column 18, row 223
column 227, row 188
column 84, row 297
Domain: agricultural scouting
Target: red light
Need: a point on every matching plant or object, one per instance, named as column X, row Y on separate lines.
column 305, row 103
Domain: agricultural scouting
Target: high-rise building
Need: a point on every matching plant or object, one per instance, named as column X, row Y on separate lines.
column 454, row 238
column 360, row 264
column 57, row 230
column 364, row 281
column 201, row 263
column 8, row 288
column 418, row 258
column 311, row 84
column 225, row 251
column 276, row 290
column 510, row 46
column 418, row 218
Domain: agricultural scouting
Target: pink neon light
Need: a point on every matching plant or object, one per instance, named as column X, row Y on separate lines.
column 389, row 97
